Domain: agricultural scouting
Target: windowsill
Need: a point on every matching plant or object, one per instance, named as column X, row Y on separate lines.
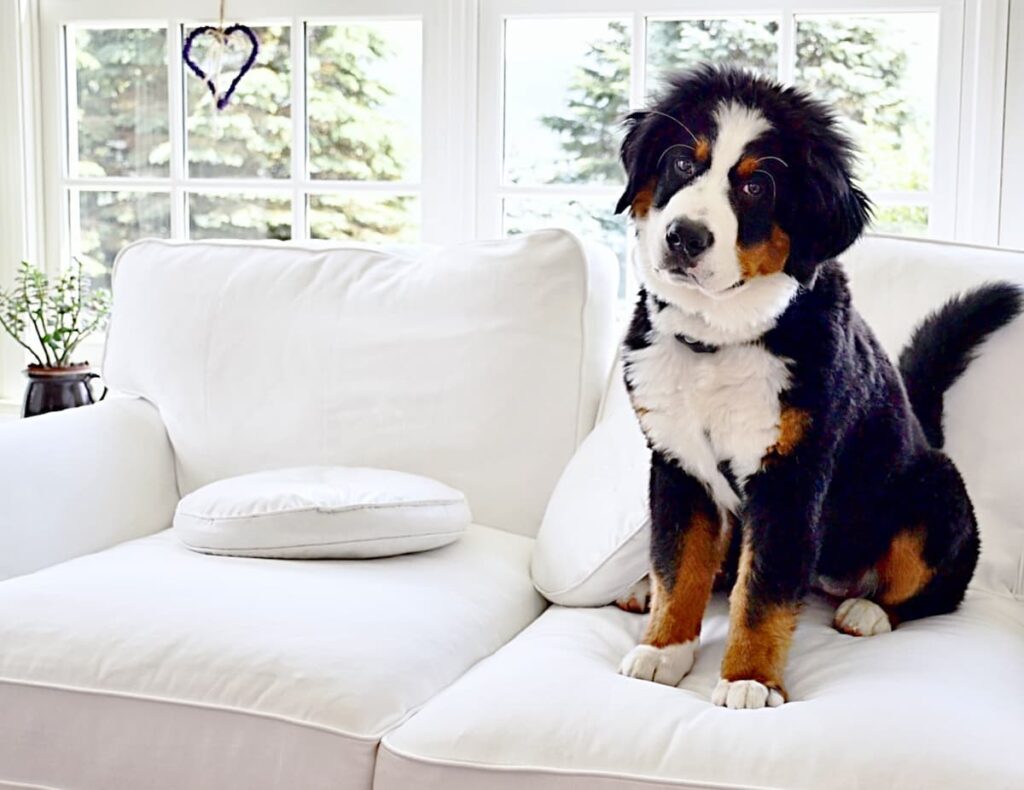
column 9, row 409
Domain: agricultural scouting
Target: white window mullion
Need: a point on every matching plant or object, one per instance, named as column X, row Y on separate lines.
column 176, row 126
column 66, row 158
column 787, row 46
column 986, row 42
column 638, row 62
column 491, row 108
column 300, row 223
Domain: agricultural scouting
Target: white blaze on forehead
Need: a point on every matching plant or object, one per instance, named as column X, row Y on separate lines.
column 706, row 200
column 738, row 126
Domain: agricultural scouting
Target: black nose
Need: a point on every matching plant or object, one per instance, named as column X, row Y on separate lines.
column 689, row 239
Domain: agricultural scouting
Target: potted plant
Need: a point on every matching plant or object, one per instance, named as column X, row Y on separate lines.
column 61, row 314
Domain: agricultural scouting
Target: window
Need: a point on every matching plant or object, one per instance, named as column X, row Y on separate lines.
column 409, row 120
column 322, row 138
column 567, row 76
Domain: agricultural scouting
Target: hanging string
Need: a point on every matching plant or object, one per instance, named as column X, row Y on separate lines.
column 223, row 39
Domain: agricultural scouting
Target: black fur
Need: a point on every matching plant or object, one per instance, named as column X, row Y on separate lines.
column 945, row 343
column 868, row 465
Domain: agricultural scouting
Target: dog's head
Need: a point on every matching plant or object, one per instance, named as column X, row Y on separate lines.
column 732, row 178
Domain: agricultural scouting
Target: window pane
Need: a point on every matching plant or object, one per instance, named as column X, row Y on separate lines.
column 365, row 218
column 364, row 101
column 251, row 137
column 902, row 220
column 120, row 102
column 107, row 221
column 673, row 45
column 237, row 215
column 589, row 218
column 879, row 71
column 566, row 91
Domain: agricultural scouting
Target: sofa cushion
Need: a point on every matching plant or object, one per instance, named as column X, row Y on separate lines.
column 148, row 665
column 595, row 538
column 479, row 365
column 318, row 512
column 936, row 703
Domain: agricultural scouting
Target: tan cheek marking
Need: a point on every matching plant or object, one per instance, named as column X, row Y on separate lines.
column 746, row 167
column 902, row 572
column 759, row 639
column 643, row 200
column 793, row 424
column 702, row 149
column 766, row 257
column 678, row 612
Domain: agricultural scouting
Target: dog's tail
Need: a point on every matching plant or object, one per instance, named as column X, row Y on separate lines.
column 944, row 344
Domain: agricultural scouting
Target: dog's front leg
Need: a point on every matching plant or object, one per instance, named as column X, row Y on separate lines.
column 687, row 546
column 776, row 564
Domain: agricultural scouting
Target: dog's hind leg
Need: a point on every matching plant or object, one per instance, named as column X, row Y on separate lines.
column 687, row 546
column 931, row 557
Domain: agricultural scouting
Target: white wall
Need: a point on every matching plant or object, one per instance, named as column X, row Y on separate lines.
column 1011, row 226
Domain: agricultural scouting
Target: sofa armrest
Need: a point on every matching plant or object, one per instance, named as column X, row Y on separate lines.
column 78, row 481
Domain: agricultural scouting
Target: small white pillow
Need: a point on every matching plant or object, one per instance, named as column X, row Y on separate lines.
column 321, row 512
column 594, row 542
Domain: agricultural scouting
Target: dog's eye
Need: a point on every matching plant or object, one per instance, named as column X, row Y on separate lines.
column 753, row 189
column 685, row 167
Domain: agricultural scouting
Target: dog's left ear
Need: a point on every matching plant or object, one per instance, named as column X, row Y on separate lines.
column 830, row 214
column 629, row 155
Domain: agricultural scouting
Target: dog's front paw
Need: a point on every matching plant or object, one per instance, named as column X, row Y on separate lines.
column 861, row 617
column 745, row 695
column 636, row 599
column 667, row 665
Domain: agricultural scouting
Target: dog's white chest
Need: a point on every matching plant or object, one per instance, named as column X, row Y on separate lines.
column 703, row 409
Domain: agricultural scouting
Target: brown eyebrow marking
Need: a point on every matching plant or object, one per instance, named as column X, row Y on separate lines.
column 703, row 149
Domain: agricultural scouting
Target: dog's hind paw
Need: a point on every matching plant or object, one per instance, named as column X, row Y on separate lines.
column 861, row 617
column 667, row 665
column 745, row 695
column 636, row 599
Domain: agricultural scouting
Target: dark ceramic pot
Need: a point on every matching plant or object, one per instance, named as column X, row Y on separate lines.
column 54, row 389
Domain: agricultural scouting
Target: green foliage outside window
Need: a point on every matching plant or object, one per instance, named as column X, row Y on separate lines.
column 856, row 64
column 122, row 107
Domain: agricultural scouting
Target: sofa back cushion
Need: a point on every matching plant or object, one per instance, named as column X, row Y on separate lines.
column 895, row 283
column 479, row 365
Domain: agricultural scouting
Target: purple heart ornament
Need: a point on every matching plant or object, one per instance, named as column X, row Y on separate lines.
column 222, row 99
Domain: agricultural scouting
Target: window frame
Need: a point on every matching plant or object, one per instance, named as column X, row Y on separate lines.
column 440, row 188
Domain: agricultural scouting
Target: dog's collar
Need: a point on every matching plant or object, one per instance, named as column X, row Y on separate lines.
column 696, row 346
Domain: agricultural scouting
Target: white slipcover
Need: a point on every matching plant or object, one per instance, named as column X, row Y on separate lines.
column 148, row 665
column 82, row 480
column 938, row 703
column 480, row 365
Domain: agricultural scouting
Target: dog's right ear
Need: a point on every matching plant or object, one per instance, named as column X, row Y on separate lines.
column 629, row 154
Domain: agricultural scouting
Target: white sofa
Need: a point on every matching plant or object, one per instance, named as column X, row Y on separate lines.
column 127, row 661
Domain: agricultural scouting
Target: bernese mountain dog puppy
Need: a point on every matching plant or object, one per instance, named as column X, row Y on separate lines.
column 788, row 453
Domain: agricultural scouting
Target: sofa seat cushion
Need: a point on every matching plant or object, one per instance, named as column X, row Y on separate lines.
column 148, row 665
column 938, row 703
